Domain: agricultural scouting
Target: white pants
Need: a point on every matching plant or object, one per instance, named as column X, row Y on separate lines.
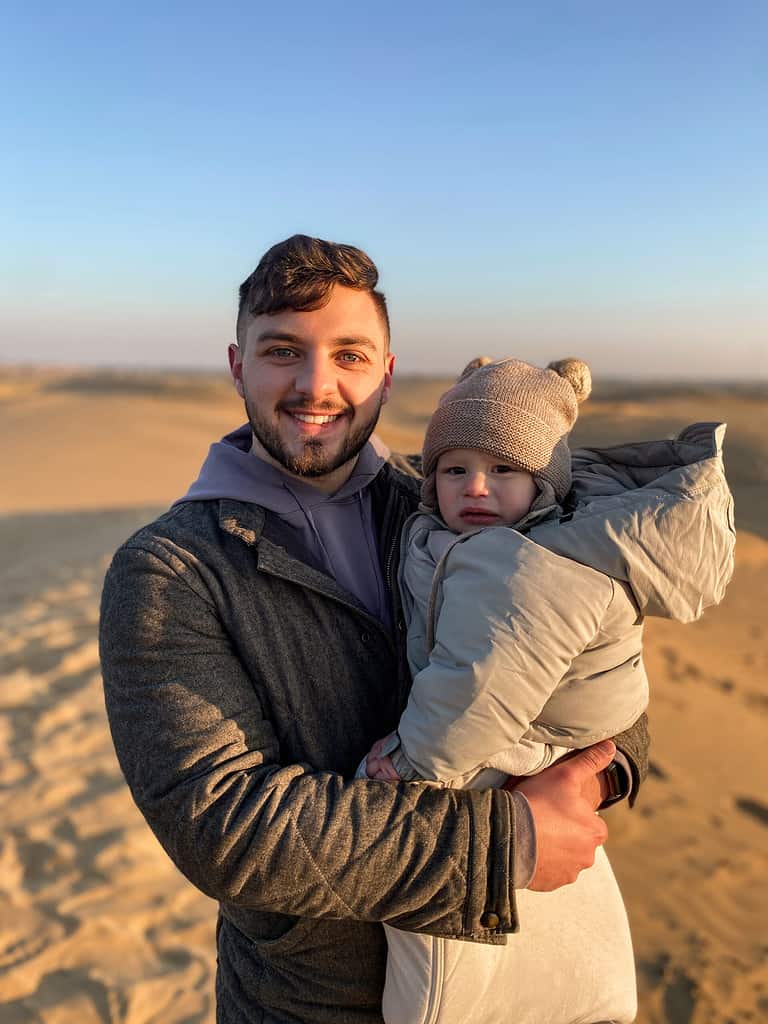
column 570, row 963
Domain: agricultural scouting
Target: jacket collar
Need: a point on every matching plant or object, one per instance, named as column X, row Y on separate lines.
column 246, row 522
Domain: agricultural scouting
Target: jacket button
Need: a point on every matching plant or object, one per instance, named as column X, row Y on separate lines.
column 365, row 637
column 489, row 920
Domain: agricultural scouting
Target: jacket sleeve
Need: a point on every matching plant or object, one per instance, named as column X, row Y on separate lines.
column 634, row 744
column 202, row 762
column 511, row 618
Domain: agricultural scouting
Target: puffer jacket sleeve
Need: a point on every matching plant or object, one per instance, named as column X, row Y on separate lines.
column 510, row 618
column 658, row 515
column 203, row 765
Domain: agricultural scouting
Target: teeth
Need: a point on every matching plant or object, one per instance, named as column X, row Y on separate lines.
column 306, row 417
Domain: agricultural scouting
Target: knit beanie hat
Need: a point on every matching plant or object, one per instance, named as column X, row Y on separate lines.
column 513, row 411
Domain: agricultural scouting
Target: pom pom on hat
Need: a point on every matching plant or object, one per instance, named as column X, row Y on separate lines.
column 576, row 372
column 472, row 365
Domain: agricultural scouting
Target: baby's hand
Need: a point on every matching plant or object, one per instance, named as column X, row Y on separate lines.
column 379, row 766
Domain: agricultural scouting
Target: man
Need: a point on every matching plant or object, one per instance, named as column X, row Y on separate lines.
column 252, row 651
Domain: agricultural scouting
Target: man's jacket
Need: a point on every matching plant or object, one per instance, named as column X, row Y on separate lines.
column 243, row 687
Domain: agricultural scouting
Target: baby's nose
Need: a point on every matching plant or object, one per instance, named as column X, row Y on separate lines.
column 476, row 484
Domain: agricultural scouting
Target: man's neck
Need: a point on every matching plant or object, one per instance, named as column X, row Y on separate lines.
column 328, row 483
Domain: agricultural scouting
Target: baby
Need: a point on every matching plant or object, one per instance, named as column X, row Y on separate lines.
column 524, row 641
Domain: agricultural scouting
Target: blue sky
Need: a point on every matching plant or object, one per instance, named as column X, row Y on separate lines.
column 534, row 180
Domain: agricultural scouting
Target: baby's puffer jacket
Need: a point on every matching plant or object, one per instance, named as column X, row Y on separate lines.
column 522, row 639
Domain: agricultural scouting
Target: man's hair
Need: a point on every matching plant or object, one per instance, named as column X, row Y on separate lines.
column 299, row 274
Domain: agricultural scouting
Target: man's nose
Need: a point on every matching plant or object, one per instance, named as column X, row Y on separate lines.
column 315, row 377
column 476, row 485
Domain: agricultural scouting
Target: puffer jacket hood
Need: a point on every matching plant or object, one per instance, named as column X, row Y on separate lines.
column 657, row 515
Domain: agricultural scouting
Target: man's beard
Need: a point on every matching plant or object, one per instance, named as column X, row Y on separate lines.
column 313, row 461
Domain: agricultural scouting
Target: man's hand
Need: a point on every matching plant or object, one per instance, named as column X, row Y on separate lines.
column 563, row 800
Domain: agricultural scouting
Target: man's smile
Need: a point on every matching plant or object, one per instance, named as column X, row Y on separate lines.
column 319, row 418
column 309, row 424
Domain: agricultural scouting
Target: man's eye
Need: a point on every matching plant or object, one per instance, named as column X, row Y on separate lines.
column 282, row 352
column 350, row 357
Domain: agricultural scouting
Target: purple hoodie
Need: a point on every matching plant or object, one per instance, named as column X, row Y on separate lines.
column 336, row 529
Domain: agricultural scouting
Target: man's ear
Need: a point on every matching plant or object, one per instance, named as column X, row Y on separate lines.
column 389, row 369
column 236, row 367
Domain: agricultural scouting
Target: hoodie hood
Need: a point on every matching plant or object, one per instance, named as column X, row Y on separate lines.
column 335, row 530
column 231, row 471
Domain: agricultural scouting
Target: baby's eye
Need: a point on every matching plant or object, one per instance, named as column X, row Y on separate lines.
column 504, row 469
column 453, row 470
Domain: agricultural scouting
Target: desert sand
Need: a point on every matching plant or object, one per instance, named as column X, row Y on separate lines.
column 96, row 925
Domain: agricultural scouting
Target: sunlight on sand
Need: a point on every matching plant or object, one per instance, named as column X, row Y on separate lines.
column 96, row 925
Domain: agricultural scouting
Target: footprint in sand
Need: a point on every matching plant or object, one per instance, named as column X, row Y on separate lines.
column 753, row 808
column 678, row 991
column 757, row 700
column 26, row 933
column 68, row 995
column 680, row 997
column 653, row 971
column 678, row 669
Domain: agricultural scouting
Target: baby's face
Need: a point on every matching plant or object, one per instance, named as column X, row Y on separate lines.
column 476, row 489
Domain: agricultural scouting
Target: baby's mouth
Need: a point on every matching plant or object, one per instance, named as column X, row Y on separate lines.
column 477, row 514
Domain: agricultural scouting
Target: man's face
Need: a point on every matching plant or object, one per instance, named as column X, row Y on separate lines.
column 313, row 384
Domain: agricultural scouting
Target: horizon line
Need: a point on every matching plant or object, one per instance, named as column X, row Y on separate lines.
column 203, row 369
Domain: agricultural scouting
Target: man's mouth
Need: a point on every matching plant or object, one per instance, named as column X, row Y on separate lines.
column 308, row 417
column 314, row 422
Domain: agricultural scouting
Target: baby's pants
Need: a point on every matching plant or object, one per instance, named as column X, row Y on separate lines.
column 570, row 963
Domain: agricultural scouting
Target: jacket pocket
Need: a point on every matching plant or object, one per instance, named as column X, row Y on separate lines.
column 270, row 934
column 282, row 965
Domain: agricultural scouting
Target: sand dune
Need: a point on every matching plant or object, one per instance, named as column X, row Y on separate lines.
column 96, row 925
